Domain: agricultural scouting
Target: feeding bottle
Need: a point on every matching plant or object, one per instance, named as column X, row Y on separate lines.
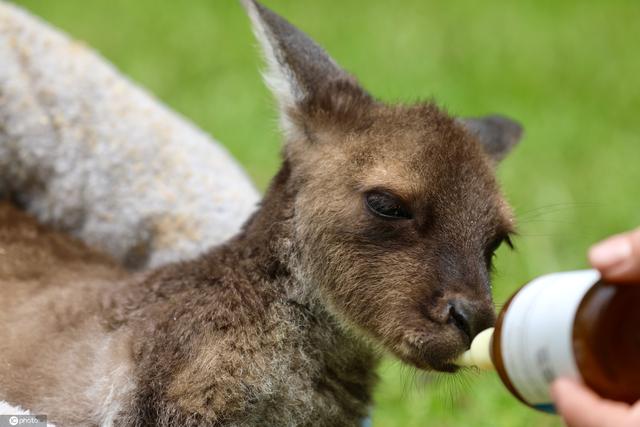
column 569, row 324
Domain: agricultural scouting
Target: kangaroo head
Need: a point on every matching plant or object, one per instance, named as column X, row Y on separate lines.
column 397, row 212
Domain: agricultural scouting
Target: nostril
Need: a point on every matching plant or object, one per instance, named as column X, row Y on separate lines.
column 459, row 316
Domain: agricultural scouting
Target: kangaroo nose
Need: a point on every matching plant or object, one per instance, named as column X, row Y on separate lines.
column 469, row 319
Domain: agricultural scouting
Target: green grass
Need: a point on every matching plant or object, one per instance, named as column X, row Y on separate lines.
column 568, row 70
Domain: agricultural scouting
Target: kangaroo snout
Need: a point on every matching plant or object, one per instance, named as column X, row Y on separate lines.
column 469, row 317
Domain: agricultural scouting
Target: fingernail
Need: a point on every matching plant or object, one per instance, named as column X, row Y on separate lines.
column 610, row 252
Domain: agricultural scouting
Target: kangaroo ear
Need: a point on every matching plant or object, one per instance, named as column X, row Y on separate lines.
column 497, row 134
column 299, row 72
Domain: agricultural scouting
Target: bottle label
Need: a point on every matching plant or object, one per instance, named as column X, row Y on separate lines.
column 536, row 337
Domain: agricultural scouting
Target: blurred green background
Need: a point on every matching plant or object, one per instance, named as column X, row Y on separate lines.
column 568, row 70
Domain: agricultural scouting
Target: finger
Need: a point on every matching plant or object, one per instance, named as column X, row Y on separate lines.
column 634, row 416
column 580, row 407
column 618, row 258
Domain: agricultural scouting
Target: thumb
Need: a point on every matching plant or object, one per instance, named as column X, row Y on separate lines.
column 581, row 407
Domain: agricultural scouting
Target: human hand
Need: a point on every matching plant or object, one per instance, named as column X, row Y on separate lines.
column 580, row 407
column 618, row 257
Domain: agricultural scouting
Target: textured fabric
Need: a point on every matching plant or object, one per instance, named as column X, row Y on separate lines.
column 86, row 151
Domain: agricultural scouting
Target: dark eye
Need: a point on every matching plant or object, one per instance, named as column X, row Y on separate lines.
column 386, row 205
column 493, row 247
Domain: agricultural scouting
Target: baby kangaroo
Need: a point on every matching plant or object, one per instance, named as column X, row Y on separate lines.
column 376, row 235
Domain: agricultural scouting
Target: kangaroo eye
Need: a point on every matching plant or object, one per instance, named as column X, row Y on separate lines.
column 386, row 206
column 493, row 247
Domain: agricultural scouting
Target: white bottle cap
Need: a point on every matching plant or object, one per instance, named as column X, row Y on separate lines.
column 479, row 355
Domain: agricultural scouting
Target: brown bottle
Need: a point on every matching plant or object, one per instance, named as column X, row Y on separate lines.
column 565, row 325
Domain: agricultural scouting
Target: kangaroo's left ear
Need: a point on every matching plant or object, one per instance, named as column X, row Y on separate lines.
column 301, row 75
column 497, row 134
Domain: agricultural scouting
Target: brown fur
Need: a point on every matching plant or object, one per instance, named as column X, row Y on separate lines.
column 283, row 324
column 50, row 293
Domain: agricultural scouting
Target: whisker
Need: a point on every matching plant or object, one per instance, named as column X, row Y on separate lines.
column 556, row 207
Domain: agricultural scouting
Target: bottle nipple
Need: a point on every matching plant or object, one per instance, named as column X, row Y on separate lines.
column 479, row 355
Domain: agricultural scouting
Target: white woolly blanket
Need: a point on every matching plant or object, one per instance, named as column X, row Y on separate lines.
column 86, row 151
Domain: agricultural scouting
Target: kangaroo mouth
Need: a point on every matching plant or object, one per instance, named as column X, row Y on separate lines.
column 430, row 353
